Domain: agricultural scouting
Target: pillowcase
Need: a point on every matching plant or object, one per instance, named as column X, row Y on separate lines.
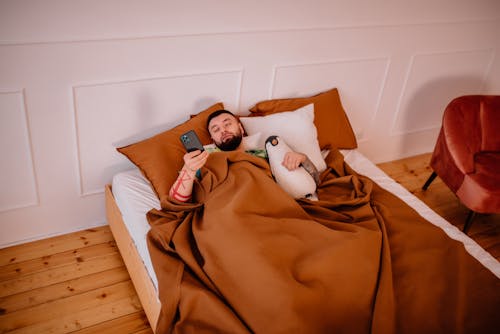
column 160, row 157
column 252, row 142
column 295, row 127
column 334, row 129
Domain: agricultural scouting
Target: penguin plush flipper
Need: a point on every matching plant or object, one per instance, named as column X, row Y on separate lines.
column 311, row 169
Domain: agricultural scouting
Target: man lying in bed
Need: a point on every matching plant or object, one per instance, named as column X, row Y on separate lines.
column 227, row 133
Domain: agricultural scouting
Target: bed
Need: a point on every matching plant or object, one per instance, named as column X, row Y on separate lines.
column 134, row 193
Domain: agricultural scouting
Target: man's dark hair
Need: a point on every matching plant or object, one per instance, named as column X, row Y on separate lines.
column 217, row 113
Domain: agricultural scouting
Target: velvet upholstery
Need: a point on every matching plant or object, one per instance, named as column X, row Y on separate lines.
column 467, row 152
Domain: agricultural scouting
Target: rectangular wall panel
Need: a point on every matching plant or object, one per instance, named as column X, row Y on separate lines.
column 433, row 80
column 111, row 115
column 16, row 168
column 353, row 78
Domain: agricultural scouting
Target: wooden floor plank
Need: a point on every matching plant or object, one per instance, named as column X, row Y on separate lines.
column 59, row 308
column 60, row 274
column 31, row 298
column 83, row 318
column 44, row 263
column 47, row 247
column 132, row 323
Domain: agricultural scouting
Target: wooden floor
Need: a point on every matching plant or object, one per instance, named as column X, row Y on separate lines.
column 77, row 283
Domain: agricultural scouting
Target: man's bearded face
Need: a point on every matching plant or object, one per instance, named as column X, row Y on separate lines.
column 226, row 132
column 230, row 142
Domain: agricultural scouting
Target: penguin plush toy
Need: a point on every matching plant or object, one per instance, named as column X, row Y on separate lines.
column 298, row 183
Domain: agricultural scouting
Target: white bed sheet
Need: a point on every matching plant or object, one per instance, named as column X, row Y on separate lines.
column 135, row 197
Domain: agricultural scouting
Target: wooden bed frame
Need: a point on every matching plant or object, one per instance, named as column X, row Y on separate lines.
column 140, row 278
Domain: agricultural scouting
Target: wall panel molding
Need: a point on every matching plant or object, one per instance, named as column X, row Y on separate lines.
column 215, row 33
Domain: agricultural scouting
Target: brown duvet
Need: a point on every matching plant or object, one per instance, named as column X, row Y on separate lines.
column 247, row 258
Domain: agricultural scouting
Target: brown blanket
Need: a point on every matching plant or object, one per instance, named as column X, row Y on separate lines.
column 246, row 257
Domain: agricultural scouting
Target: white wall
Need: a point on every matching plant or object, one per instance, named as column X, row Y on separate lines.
column 78, row 76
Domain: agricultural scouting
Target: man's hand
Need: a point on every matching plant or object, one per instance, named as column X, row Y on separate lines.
column 195, row 160
column 292, row 160
column 182, row 188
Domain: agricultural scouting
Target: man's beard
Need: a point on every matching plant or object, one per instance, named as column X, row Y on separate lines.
column 230, row 144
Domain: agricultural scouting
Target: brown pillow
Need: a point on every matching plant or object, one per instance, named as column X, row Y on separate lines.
column 160, row 157
column 334, row 129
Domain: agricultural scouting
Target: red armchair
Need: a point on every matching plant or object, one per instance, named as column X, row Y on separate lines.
column 467, row 153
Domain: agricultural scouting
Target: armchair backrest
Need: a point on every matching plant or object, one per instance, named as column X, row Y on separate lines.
column 471, row 125
column 462, row 130
column 490, row 123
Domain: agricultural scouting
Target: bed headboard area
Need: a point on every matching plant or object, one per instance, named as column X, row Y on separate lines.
column 77, row 82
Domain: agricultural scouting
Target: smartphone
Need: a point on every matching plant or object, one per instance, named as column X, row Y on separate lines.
column 191, row 141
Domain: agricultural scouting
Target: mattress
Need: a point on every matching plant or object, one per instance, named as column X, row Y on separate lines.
column 135, row 197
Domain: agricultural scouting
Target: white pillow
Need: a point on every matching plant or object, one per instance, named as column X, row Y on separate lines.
column 295, row 127
column 252, row 142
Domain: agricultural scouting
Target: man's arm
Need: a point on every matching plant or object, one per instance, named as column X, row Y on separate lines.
column 182, row 188
column 294, row 160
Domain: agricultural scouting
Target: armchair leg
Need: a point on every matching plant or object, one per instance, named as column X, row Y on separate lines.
column 429, row 181
column 468, row 221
